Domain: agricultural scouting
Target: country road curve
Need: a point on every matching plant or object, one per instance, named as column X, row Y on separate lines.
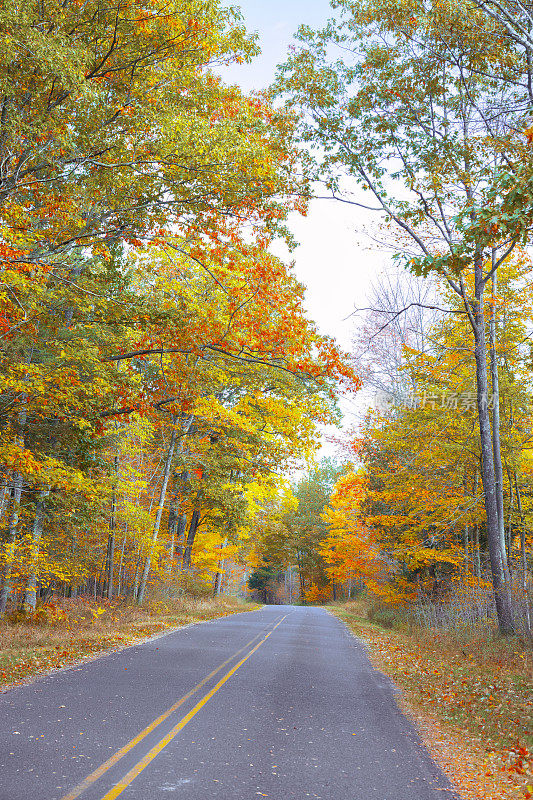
column 280, row 703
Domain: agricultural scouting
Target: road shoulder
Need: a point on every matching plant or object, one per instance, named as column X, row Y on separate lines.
column 477, row 767
column 83, row 631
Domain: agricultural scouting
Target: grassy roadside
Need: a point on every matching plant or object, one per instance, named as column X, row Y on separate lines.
column 471, row 700
column 66, row 631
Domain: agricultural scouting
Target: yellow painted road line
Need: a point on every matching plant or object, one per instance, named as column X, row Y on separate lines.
column 156, row 749
column 103, row 768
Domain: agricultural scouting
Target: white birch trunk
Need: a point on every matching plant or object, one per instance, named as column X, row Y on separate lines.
column 16, row 495
column 29, row 601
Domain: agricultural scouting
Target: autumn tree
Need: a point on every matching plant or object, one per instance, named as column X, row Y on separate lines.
column 147, row 331
column 350, row 549
column 404, row 112
column 414, row 517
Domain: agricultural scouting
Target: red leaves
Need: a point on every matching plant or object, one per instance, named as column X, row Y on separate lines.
column 520, row 763
column 8, row 253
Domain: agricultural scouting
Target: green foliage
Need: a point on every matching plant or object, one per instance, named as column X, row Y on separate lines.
column 263, row 576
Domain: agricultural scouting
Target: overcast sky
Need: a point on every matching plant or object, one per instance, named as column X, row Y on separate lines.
column 335, row 260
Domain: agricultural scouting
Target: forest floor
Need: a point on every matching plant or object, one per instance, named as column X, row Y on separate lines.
column 470, row 698
column 63, row 632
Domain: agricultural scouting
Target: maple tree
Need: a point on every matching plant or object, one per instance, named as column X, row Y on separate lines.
column 156, row 357
column 350, row 551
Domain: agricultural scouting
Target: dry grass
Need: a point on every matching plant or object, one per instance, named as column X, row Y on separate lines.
column 64, row 631
column 470, row 696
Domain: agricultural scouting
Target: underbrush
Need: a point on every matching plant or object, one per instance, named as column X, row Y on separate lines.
column 474, row 685
column 64, row 630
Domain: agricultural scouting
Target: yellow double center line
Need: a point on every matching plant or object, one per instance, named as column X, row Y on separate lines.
column 134, row 771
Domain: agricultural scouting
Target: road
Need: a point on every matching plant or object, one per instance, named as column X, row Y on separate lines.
column 280, row 703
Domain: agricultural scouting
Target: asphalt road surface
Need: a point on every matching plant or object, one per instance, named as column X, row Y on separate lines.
column 279, row 703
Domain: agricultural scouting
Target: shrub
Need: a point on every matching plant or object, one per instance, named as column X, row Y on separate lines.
column 386, row 616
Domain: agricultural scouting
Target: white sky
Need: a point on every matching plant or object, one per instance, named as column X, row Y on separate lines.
column 334, row 260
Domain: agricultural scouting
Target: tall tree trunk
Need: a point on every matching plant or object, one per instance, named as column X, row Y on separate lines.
column 121, row 562
column 217, row 583
column 159, row 513
column 301, row 576
column 73, row 543
column 497, row 554
column 177, row 523
column 29, row 600
column 495, row 380
column 290, row 584
column 180, row 537
column 137, row 576
column 476, row 557
column 111, row 542
column 509, row 539
column 220, row 571
column 16, row 494
column 466, row 535
column 110, row 560
column 172, row 527
column 523, row 555
column 193, row 527
column 4, row 495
